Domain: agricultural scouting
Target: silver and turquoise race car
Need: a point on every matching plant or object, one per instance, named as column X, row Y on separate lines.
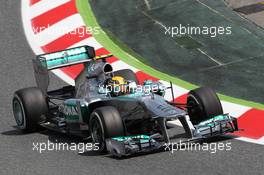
column 112, row 108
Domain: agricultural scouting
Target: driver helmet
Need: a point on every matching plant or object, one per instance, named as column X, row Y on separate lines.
column 117, row 85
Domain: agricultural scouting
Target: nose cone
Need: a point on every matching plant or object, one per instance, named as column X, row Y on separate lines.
column 160, row 108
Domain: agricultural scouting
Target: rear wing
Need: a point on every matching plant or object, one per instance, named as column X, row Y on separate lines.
column 55, row 60
column 67, row 57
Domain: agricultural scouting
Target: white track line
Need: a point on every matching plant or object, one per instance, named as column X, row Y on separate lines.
column 259, row 141
column 211, row 58
column 59, row 29
column 44, row 6
column 154, row 20
column 118, row 65
column 233, row 109
column 147, row 4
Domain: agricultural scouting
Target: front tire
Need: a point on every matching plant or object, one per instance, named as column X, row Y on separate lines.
column 204, row 104
column 29, row 105
column 105, row 122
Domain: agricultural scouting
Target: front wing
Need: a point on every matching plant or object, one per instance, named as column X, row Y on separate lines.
column 129, row 145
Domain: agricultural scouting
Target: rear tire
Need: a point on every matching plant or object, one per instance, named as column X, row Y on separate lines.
column 105, row 122
column 127, row 74
column 28, row 106
column 204, row 103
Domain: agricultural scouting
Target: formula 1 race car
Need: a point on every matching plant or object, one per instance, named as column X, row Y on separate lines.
column 112, row 108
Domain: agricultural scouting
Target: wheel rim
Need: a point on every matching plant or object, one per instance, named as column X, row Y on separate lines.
column 97, row 133
column 18, row 112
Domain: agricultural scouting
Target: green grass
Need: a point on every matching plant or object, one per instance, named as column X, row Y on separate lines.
column 123, row 46
column 120, row 50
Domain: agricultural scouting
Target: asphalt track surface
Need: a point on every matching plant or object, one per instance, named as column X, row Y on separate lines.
column 230, row 64
column 17, row 157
